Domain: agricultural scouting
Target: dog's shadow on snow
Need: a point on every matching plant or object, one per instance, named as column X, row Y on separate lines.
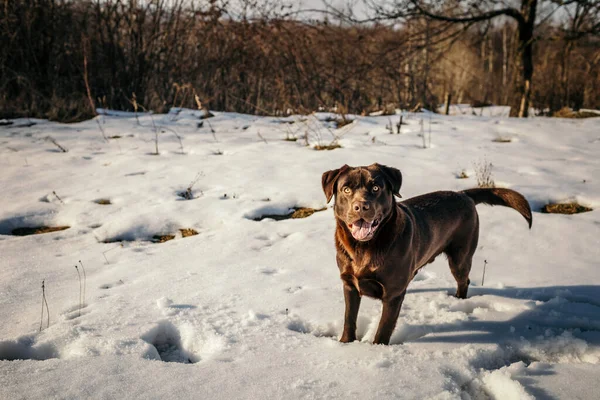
column 545, row 310
column 553, row 324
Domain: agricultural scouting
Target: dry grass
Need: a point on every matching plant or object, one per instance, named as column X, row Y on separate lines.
column 104, row 202
column 566, row 112
column 304, row 212
column 332, row 146
column 463, row 175
column 186, row 232
column 37, row 230
column 341, row 122
column 162, row 238
column 299, row 212
column 483, row 171
column 565, row 208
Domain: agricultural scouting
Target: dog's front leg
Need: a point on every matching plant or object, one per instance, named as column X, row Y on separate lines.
column 389, row 316
column 352, row 298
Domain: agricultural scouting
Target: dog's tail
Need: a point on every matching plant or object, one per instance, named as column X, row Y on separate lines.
column 502, row 197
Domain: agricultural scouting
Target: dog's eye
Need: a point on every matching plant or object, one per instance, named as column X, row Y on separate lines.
column 375, row 188
column 346, row 190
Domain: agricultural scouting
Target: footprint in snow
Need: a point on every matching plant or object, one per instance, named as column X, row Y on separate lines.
column 293, row 289
column 167, row 345
column 111, row 285
column 300, row 325
column 26, row 348
column 269, row 271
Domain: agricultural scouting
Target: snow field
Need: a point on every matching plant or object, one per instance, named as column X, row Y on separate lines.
column 249, row 309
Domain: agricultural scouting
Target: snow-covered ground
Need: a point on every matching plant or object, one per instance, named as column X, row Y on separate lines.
column 252, row 309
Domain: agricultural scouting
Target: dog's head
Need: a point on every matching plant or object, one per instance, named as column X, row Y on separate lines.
column 364, row 196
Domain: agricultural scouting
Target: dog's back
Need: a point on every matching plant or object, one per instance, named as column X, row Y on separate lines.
column 441, row 218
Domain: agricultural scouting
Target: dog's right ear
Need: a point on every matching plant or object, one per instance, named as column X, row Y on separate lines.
column 329, row 180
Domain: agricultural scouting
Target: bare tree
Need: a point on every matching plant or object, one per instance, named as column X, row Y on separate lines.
column 468, row 13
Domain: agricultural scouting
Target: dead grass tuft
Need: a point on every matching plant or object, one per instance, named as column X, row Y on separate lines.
column 104, row 202
column 483, row 171
column 299, row 212
column 332, row 146
column 162, row 238
column 566, row 112
column 463, row 175
column 565, row 208
column 341, row 122
column 186, row 232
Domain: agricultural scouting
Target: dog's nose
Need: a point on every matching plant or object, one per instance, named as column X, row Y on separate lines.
column 361, row 206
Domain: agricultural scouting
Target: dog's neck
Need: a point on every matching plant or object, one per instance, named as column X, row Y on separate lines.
column 367, row 253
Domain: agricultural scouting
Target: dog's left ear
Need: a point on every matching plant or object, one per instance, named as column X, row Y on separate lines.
column 329, row 180
column 393, row 176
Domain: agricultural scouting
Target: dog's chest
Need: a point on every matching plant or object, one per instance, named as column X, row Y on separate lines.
column 364, row 278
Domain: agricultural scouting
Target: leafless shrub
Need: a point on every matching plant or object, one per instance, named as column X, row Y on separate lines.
column 316, row 131
column 483, row 172
column 205, row 111
column 44, row 305
column 56, row 195
column 389, row 126
column 262, row 137
column 84, row 281
column 426, row 143
column 135, row 106
column 399, row 125
column 54, row 142
column 188, row 193
column 80, row 290
column 289, row 66
column 174, row 132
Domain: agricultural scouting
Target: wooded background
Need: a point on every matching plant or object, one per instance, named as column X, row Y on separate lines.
column 268, row 59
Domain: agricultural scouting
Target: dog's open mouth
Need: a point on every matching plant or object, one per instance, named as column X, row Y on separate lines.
column 363, row 230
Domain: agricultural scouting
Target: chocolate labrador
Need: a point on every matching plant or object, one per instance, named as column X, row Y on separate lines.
column 381, row 244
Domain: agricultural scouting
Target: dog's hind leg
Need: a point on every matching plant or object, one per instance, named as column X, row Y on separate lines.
column 460, row 256
column 460, row 270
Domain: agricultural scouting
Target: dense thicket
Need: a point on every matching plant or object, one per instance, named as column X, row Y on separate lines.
column 165, row 52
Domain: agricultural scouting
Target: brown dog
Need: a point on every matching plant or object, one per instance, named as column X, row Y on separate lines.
column 382, row 244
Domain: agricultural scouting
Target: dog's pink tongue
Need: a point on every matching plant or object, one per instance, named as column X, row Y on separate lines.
column 361, row 229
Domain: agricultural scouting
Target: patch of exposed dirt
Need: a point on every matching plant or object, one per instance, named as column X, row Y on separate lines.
column 38, row 230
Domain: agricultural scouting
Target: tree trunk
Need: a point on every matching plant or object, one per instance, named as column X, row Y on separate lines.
column 447, row 103
column 424, row 82
column 521, row 102
column 564, row 75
